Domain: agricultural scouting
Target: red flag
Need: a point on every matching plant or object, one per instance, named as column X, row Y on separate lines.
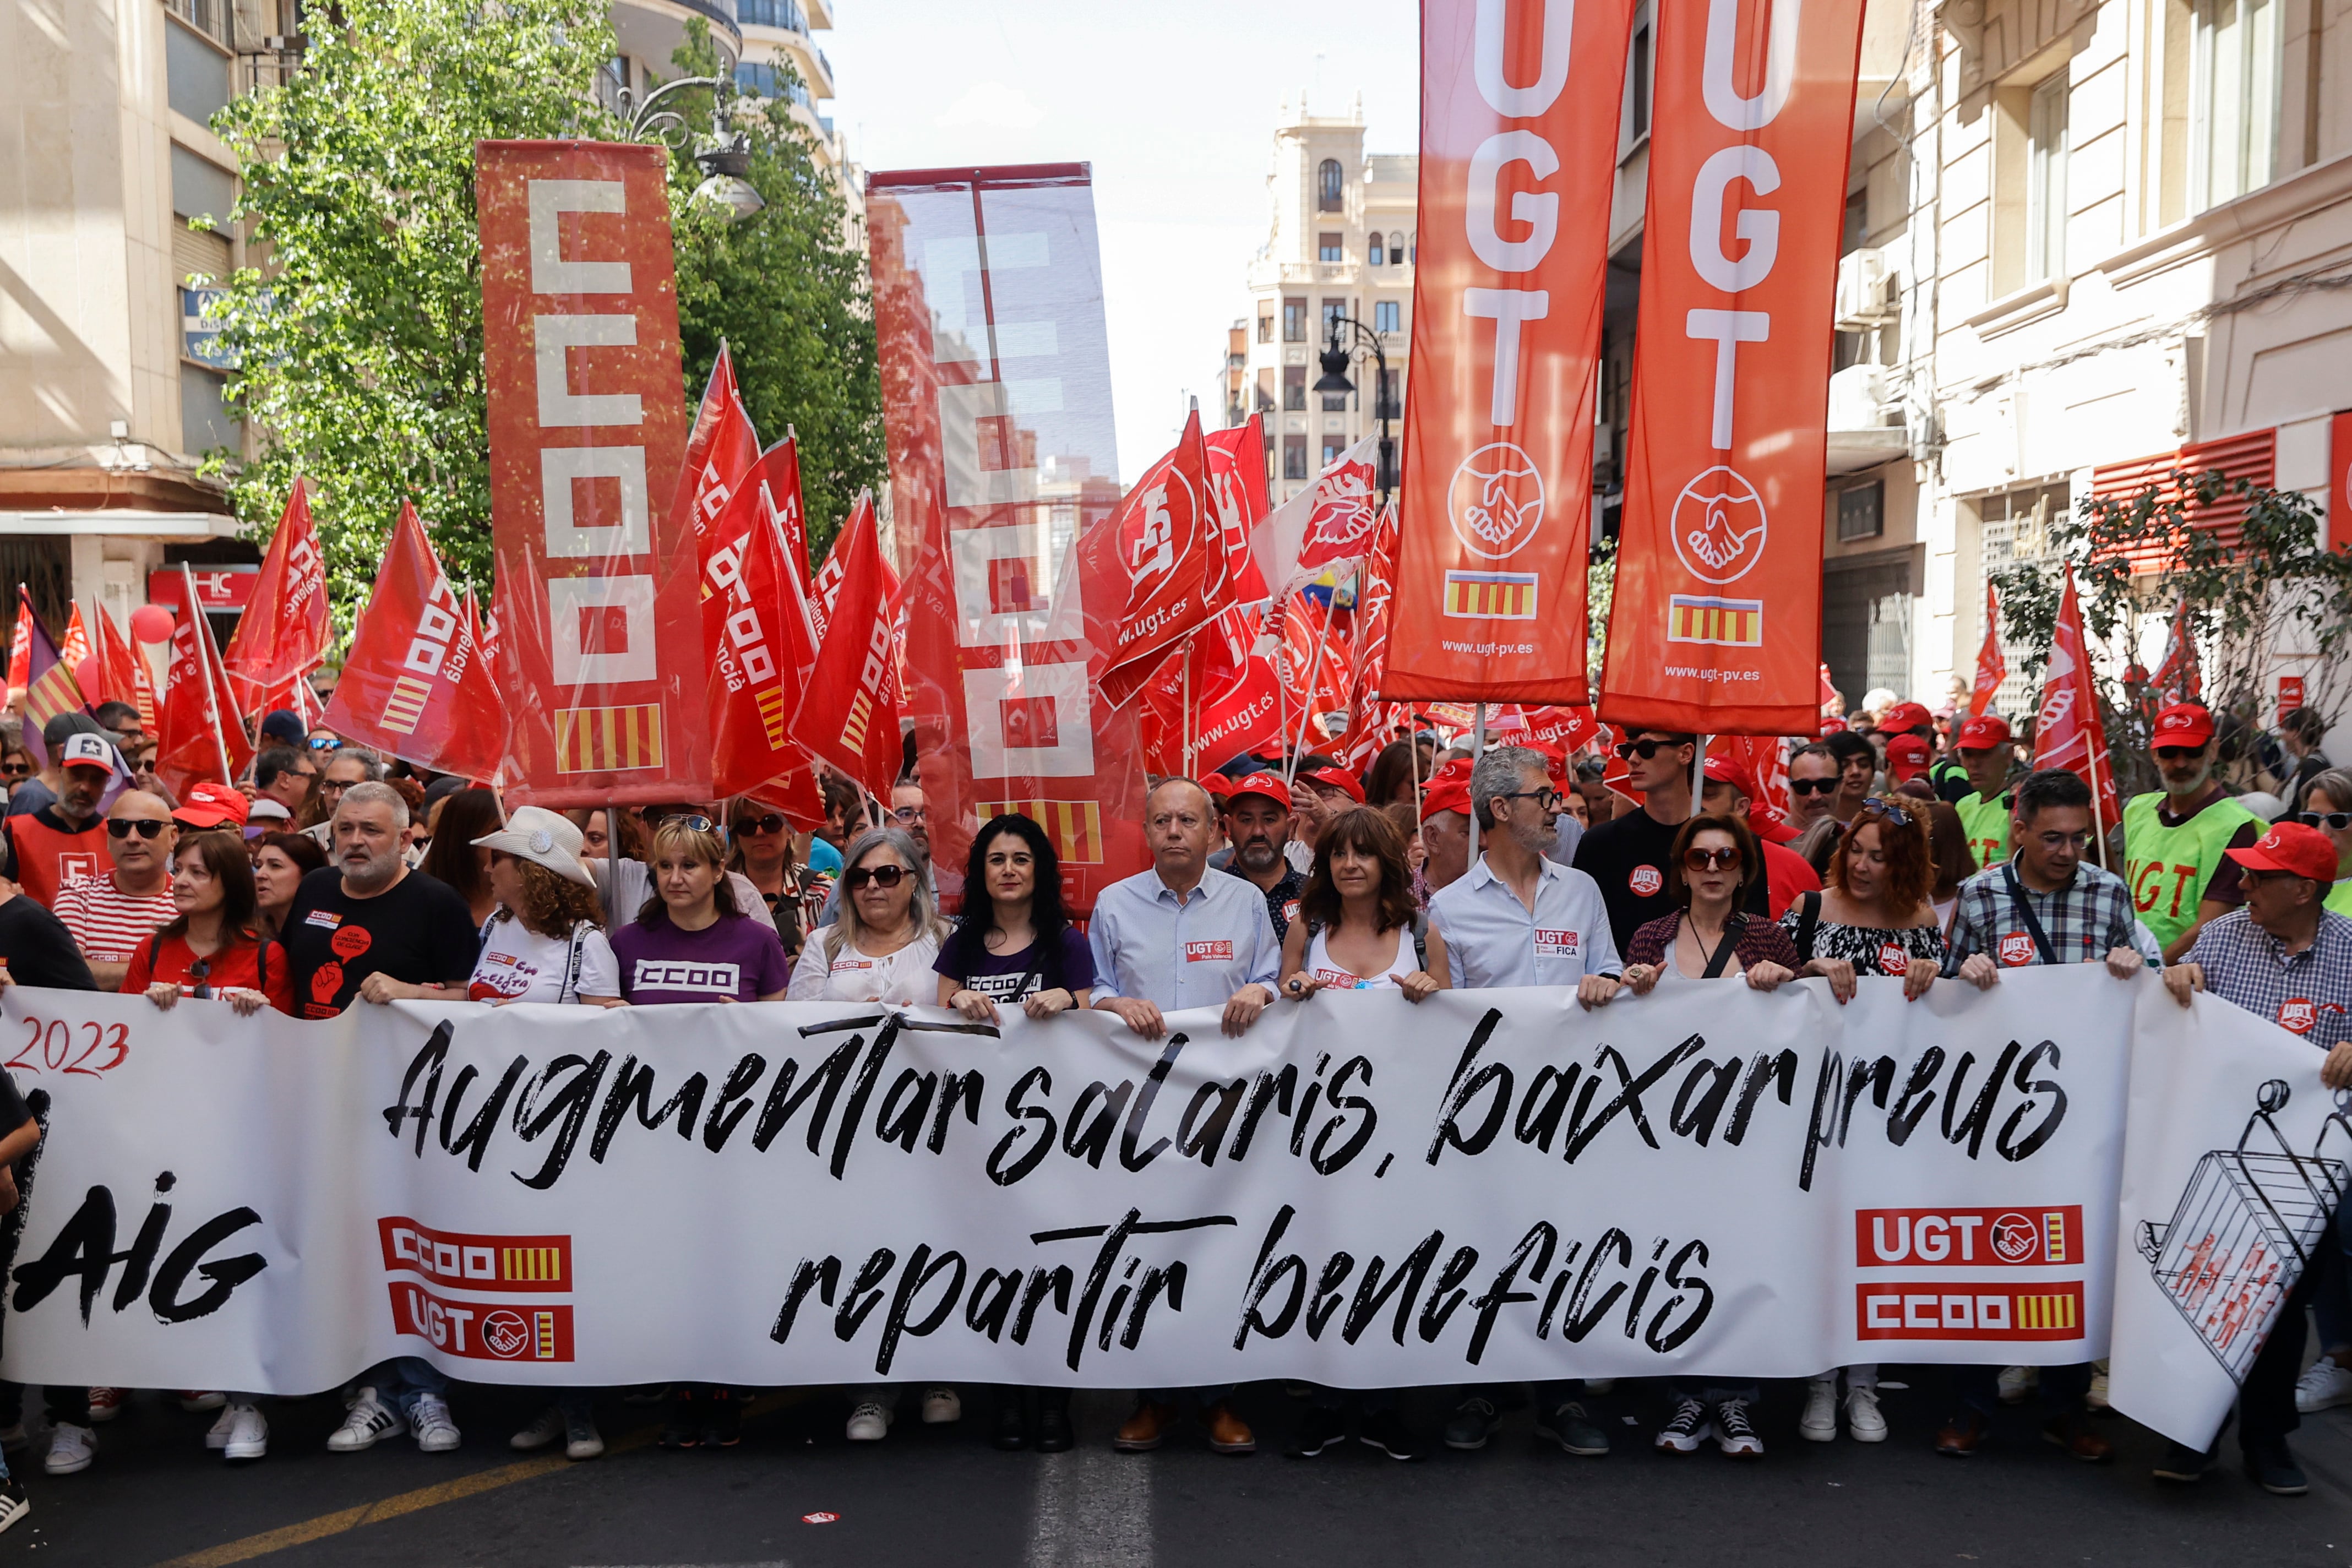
column 2179, row 679
column 20, row 644
column 414, row 685
column 1237, row 476
column 1329, row 524
column 1567, row 727
column 1315, row 682
column 197, row 735
column 780, row 469
column 1160, row 557
column 721, row 453
column 1993, row 666
column 283, row 631
column 77, row 646
column 1375, row 597
column 850, row 714
column 125, row 673
column 752, row 622
column 1717, row 608
column 2068, row 732
column 1227, row 702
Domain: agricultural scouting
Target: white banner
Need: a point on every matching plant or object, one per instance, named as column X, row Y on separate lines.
column 1360, row 1192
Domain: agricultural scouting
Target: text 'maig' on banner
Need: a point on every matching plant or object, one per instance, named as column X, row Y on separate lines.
column 1714, row 625
column 603, row 646
column 996, row 393
column 1519, row 155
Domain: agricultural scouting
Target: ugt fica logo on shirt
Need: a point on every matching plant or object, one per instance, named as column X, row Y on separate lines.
column 1556, row 944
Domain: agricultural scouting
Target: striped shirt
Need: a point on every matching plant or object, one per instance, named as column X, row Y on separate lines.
column 106, row 924
column 2307, row 994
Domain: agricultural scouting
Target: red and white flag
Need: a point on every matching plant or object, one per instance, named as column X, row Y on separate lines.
column 1314, row 662
column 721, row 452
column 284, row 629
column 414, row 685
column 20, row 644
column 2068, row 732
column 848, row 716
column 755, row 624
column 1237, row 476
column 1329, row 524
column 76, row 646
column 2179, row 679
column 779, row 471
column 1160, row 558
column 1368, row 716
column 1212, row 700
column 1992, row 665
column 197, row 735
column 124, row 673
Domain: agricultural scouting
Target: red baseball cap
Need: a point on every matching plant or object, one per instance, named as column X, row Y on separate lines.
column 1984, row 732
column 1723, row 769
column 1451, row 795
column 1555, row 759
column 1218, row 786
column 1906, row 757
column 1907, row 716
column 208, row 805
column 2183, row 724
column 1834, row 726
column 1341, row 780
column 2291, row 847
column 1453, row 770
column 1267, row 784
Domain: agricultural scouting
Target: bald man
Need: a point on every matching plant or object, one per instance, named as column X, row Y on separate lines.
column 111, row 913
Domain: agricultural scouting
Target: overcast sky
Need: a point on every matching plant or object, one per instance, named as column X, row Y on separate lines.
column 1175, row 107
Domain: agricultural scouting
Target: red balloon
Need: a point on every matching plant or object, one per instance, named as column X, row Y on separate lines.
column 151, row 623
column 86, row 676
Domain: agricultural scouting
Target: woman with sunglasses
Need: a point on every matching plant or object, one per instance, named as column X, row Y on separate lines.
column 1016, row 945
column 763, row 856
column 2327, row 805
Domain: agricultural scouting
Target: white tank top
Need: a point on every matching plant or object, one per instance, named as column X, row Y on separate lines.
column 1328, row 974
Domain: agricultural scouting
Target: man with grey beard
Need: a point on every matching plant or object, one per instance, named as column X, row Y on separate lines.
column 1258, row 821
column 364, row 925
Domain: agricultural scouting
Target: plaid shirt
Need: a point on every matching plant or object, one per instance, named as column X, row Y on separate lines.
column 2085, row 920
column 2307, row 992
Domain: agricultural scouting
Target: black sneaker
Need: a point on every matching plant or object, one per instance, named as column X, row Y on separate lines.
column 1733, row 1433
column 1011, row 1427
column 2182, row 1464
column 2272, row 1468
column 1686, row 1431
column 1572, row 1429
column 1472, row 1420
column 1386, row 1431
column 1318, row 1429
column 722, row 1421
column 14, row 1504
column 683, row 1426
column 1053, row 1422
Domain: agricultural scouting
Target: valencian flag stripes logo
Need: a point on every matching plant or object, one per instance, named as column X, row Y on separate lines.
column 1726, row 623
column 600, row 740
column 1074, row 826
column 1492, row 595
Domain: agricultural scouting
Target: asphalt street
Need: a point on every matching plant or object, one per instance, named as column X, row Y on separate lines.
column 940, row 1495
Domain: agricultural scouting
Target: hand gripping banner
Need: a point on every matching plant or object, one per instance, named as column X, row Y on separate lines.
column 1493, row 1185
column 1716, row 620
column 996, row 391
column 1518, row 152
column 597, row 568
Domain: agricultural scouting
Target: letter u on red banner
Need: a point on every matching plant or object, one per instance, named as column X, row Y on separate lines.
column 1518, row 152
column 1714, row 624
column 587, row 424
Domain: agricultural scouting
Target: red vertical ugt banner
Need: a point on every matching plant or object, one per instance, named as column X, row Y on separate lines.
column 996, row 391
column 603, row 637
column 1717, row 618
column 1518, row 151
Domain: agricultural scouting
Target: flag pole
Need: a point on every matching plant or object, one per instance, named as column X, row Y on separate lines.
column 204, row 643
column 1184, row 729
column 1698, row 772
column 1477, row 755
column 1307, row 711
column 2098, row 824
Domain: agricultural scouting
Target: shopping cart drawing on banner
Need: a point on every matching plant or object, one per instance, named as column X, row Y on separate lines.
column 2242, row 1232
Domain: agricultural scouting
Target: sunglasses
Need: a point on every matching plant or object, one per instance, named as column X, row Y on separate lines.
column 695, row 824
column 2334, row 821
column 2178, row 753
column 774, row 822
column 119, row 829
column 200, row 972
column 1887, row 809
column 1645, row 750
column 325, row 744
column 884, row 877
column 15, row 770
column 1811, row 786
column 1698, row 860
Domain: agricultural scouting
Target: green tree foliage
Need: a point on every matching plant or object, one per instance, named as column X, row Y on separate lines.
column 786, row 290
column 362, row 335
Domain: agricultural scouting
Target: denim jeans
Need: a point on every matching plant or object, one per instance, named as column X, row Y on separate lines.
column 402, row 1380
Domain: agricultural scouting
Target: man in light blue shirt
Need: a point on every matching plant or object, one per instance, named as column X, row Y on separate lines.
column 1517, row 917
column 1181, row 935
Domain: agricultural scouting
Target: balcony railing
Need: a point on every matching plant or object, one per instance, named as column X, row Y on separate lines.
column 210, row 18
column 784, row 14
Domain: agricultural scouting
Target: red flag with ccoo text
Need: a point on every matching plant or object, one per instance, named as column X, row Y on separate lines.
column 2068, row 732
column 850, row 714
column 283, row 631
column 760, row 655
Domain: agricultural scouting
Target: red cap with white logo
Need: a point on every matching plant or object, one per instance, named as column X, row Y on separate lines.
column 2293, row 848
column 1266, row 785
column 1983, row 732
column 2183, row 724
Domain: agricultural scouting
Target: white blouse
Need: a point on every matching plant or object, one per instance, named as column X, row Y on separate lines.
column 904, row 977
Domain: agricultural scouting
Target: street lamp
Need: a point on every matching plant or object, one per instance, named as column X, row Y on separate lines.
column 1336, row 357
column 726, row 156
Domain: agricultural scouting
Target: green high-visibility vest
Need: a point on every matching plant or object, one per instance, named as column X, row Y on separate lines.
column 1987, row 822
column 2339, row 897
column 2169, row 868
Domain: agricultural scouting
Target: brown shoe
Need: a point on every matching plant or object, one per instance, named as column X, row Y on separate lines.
column 1228, row 1433
column 1964, row 1436
column 2070, row 1434
column 1146, row 1430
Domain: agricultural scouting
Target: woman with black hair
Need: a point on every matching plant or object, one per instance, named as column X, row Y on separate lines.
column 1015, row 944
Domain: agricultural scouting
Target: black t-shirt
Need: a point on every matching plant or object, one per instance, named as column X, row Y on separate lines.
column 1068, row 964
column 419, row 932
column 39, row 950
column 1627, row 857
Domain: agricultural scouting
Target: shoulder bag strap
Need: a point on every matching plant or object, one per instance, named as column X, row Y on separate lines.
column 1734, row 929
column 571, row 986
column 1808, row 920
column 2025, row 909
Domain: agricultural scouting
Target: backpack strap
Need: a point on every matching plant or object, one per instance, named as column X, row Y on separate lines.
column 1808, row 920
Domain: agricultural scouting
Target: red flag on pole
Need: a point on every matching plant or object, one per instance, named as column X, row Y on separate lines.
column 753, row 621
column 2179, row 679
column 1313, row 662
column 126, row 676
column 283, row 631
column 1375, row 598
column 1329, row 524
column 848, row 716
column 1237, row 476
column 1992, row 665
column 197, row 734
column 780, row 469
column 20, row 645
column 719, row 455
column 1161, row 559
column 2068, row 732
column 414, row 685
column 77, row 646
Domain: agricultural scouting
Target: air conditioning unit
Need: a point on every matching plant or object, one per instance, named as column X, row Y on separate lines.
column 1866, row 290
column 1858, row 398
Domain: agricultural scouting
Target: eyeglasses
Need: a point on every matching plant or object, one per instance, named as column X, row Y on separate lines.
column 774, row 822
column 885, row 876
column 2334, row 821
column 1645, row 750
column 1698, row 860
column 2178, row 753
column 1887, row 809
column 1811, row 786
column 1547, row 798
column 325, row 744
column 146, row 827
column 2056, row 841
column 911, row 815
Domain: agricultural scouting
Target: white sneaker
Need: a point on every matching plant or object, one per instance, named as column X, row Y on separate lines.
column 246, row 1437
column 1864, row 1422
column 71, row 1448
column 1819, row 1423
column 869, row 1423
column 2325, row 1386
column 367, row 1419
column 941, row 1407
column 546, row 1430
column 435, row 1433
column 2096, row 1396
column 2016, row 1383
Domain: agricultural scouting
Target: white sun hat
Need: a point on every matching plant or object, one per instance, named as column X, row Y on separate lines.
column 544, row 838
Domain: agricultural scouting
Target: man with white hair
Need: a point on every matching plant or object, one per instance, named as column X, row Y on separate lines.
column 366, row 913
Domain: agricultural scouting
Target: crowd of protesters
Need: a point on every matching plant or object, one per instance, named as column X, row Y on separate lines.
column 1912, row 846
